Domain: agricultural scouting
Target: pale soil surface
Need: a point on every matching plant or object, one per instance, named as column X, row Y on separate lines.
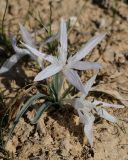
column 59, row 135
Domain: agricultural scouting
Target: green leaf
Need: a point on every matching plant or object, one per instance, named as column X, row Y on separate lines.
column 24, row 109
column 52, row 92
column 56, row 82
column 67, row 91
column 40, row 111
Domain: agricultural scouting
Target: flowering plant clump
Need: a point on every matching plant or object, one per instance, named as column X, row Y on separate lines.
column 63, row 65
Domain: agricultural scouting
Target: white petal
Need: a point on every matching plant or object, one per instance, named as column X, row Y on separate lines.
column 26, row 36
column 63, row 41
column 88, row 47
column 104, row 114
column 88, row 105
column 9, row 63
column 47, row 57
column 107, row 105
column 17, row 49
column 77, row 103
column 88, row 120
column 81, row 65
column 83, row 105
column 47, row 72
column 88, row 86
column 74, row 79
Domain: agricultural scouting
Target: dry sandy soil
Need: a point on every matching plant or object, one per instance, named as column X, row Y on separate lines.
column 59, row 135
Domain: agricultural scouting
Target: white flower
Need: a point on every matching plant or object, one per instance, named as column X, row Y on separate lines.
column 10, row 62
column 67, row 65
column 86, row 109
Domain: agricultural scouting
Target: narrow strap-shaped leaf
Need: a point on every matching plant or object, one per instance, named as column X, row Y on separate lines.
column 56, row 82
column 67, row 91
column 52, row 93
column 28, row 104
column 24, row 109
column 40, row 111
column 55, row 92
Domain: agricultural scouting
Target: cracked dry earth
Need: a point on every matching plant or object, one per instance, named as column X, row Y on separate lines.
column 59, row 135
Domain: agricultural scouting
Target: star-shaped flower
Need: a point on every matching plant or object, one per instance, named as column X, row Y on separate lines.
column 86, row 110
column 20, row 52
column 68, row 66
